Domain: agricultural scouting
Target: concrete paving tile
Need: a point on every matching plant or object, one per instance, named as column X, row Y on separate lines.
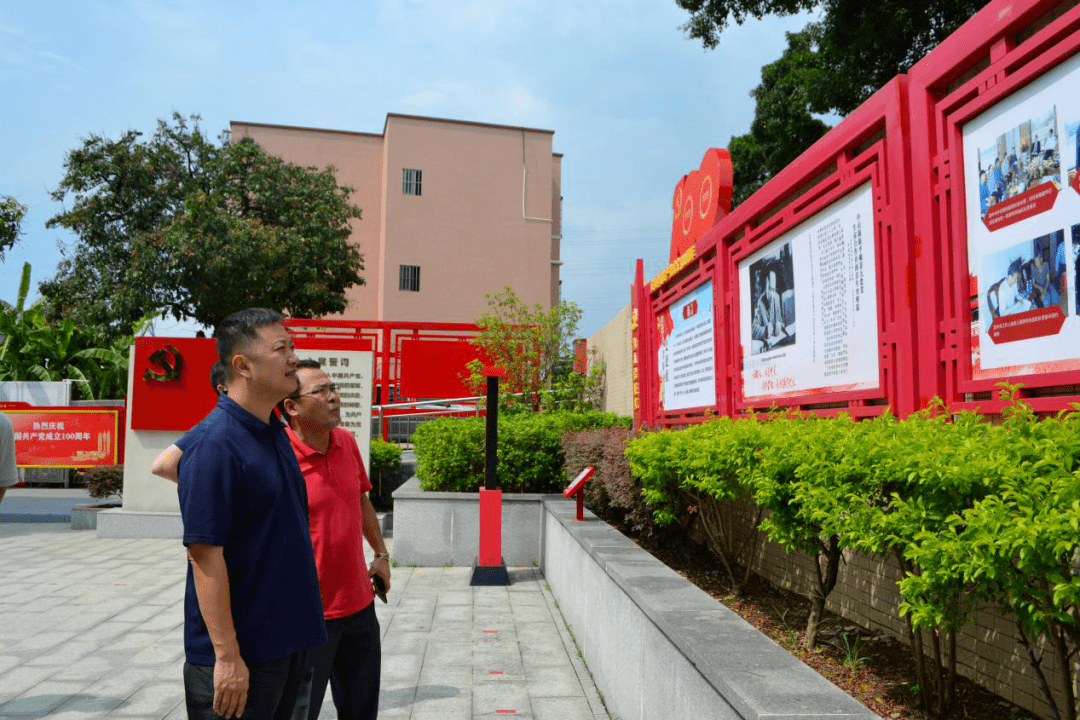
column 562, row 708
column 76, row 714
column 553, row 682
column 410, row 621
column 441, row 711
column 452, row 615
column 19, row 679
column 180, row 713
column 512, row 676
column 158, row 654
column 456, row 597
column 405, row 641
column 83, row 620
column 507, row 662
column 396, row 696
column 397, row 669
column 447, row 654
column 493, row 640
column 152, row 700
column 457, row 633
column 87, row 668
column 540, row 653
column 456, row 677
column 163, row 621
column 138, row 613
column 64, row 654
column 490, row 619
column 106, row 632
column 41, row 699
column 42, row 603
column 489, row 698
column 523, row 599
column 122, row 683
column 9, row 661
column 531, row 614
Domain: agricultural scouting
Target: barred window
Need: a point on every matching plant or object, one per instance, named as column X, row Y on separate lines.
column 410, row 181
column 409, row 278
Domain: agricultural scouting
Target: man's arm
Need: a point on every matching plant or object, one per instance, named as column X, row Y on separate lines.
column 212, row 589
column 167, row 463
column 381, row 565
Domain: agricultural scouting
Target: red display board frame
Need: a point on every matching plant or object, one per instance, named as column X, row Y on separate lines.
column 997, row 54
column 869, row 148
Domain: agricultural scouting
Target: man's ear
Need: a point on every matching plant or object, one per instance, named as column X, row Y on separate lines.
column 290, row 407
column 241, row 365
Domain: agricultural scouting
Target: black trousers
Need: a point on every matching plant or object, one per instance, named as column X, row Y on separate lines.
column 351, row 659
column 273, row 688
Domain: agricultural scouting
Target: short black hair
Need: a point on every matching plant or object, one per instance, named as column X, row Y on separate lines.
column 218, row 375
column 295, row 394
column 238, row 329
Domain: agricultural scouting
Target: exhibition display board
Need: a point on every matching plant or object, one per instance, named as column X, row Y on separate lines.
column 997, row 118
column 809, row 287
column 927, row 246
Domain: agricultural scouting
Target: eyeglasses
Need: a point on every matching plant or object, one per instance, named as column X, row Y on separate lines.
column 323, row 391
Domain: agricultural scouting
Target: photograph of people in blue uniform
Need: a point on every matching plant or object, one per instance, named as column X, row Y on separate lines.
column 1022, row 158
column 1022, row 277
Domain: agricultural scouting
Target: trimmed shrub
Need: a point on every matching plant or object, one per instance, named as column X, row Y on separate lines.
column 385, row 460
column 612, row 491
column 104, row 481
column 450, row 451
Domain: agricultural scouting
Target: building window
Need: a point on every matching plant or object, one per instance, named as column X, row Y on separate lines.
column 409, row 278
column 410, row 181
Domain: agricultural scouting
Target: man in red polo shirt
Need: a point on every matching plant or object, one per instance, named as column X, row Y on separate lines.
column 339, row 512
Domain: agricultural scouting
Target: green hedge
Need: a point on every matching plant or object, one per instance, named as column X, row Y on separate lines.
column 976, row 512
column 450, row 451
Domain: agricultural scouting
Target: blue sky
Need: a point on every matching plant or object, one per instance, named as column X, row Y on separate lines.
column 632, row 101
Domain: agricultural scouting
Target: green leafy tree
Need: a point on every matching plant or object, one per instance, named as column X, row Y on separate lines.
column 12, row 213
column 182, row 226
column 829, row 67
column 535, row 347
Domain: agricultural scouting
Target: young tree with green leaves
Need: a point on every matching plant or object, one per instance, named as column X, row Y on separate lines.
column 181, row 226
column 534, row 346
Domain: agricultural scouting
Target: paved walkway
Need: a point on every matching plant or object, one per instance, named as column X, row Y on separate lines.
column 91, row 627
column 43, row 505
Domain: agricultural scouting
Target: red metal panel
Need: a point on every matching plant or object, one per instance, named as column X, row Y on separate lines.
column 868, row 147
column 387, row 340
column 171, row 382
column 490, row 554
column 985, row 67
column 436, row 368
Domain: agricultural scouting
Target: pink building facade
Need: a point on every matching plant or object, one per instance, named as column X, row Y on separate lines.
column 452, row 210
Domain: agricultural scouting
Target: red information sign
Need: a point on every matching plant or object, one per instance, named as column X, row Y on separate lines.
column 1027, row 325
column 1027, row 204
column 63, row 437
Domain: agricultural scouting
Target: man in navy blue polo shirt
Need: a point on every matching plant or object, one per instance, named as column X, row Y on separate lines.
column 252, row 609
